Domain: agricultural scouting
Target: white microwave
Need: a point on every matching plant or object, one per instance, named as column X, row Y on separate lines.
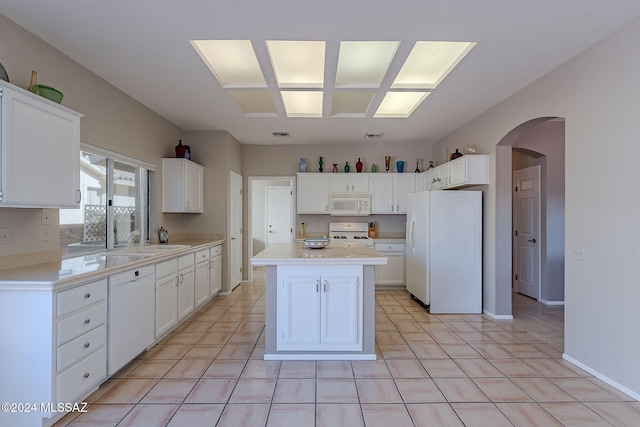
column 349, row 204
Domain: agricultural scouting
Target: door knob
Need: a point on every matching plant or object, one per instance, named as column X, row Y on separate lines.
column 531, row 240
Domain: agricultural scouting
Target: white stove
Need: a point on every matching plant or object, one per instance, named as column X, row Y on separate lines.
column 350, row 232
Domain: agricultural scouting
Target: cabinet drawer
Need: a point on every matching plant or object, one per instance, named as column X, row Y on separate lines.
column 185, row 261
column 215, row 251
column 167, row 268
column 389, row 247
column 80, row 347
column 81, row 297
column 82, row 376
column 78, row 324
column 202, row 256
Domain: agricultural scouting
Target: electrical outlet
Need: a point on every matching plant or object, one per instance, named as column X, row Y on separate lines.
column 45, row 217
column 45, row 234
column 579, row 253
column 5, row 235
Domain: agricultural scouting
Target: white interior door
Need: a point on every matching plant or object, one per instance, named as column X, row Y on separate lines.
column 235, row 230
column 527, row 242
column 279, row 218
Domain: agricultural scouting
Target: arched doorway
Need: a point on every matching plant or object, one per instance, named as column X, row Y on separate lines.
column 542, row 138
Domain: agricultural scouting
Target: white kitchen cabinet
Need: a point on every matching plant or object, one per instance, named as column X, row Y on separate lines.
column 349, row 183
column 182, row 186
column 465, row 171
column 166, row 296
column 391, row 274
column 201, row 277
column 186, row 286
column 389, row 192
column 312, row 190
column 37, row 137
column 53, row 347
column 215, row 270
column 318, row 312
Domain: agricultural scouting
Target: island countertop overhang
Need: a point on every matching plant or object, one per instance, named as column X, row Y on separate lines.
column 335, row 254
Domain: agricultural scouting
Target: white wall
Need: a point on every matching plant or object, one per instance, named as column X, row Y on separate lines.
column 597, row 93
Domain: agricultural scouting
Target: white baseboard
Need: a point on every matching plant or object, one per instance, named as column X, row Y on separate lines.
column 318, row 356
column 498, row 316
column 551, row 302
column 602, row 377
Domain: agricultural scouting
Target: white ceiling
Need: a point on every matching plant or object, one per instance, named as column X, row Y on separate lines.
column 142, row 47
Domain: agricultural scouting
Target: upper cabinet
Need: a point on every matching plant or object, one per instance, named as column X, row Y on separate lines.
column 313, row 193
column 182, row 186
column 389, row 192
column 349, row 183
column 462, row 172
column 40, row 166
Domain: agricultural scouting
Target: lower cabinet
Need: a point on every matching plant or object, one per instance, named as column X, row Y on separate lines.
column 215, row 270
column 166, row 296
column 186, row 286
column 391, row 274
column 201, row 277
column 319, row 312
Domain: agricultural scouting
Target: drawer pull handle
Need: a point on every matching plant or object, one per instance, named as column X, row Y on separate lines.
column 87, row 345
column 86, row 375
column 86, row 322
column 87, row 295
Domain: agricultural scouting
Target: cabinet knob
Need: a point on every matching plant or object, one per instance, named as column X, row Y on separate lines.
column 87, row 295
column 87, row 321
column 78, row 196
column 86, row 375
column 87, row 345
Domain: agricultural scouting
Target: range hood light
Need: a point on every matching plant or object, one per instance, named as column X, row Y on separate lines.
column 373, row 135
column 280, row 134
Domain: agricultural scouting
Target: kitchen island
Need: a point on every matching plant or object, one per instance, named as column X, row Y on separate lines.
column 320, row 303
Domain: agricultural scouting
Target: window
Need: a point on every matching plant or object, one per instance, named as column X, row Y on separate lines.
column 115, row 203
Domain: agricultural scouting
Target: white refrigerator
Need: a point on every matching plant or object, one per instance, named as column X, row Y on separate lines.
column 444, row 250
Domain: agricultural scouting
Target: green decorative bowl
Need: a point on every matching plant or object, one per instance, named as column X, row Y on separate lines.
column 50, row 93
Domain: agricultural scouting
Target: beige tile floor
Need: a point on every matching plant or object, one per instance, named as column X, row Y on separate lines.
column 446, row 370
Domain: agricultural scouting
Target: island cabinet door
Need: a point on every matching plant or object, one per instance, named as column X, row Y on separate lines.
column 298, row 318
column 341, row 317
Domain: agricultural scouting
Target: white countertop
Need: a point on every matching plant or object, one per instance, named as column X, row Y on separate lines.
column 335, row 253
column 71, row 271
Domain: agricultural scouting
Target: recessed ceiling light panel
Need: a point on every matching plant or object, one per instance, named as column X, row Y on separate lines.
column 429, row 63
column 254, row 103
column 363, row 64
column 400, row 104
column 302, row 103
column 233, row 62
column 351, row 103
column 297, row 64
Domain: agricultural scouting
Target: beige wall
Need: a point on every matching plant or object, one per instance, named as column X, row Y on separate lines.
column 112, row 120
column 597, row 94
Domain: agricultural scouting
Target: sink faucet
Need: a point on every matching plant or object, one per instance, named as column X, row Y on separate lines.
column 132, row 237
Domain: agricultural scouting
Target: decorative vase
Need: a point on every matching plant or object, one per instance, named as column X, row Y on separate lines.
column 33, row 85
column 417, row 166
column 3, row 74
column 302, row 165
column 180, row 149
column 456, row 155
column 320, row 163
column 347, row 168
column 187, row 152
column 335, row 167
column 387, row 162
column 400, row 166
column 436, row 184
column 431, row 166
column 359, row 166
column 374, row 168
